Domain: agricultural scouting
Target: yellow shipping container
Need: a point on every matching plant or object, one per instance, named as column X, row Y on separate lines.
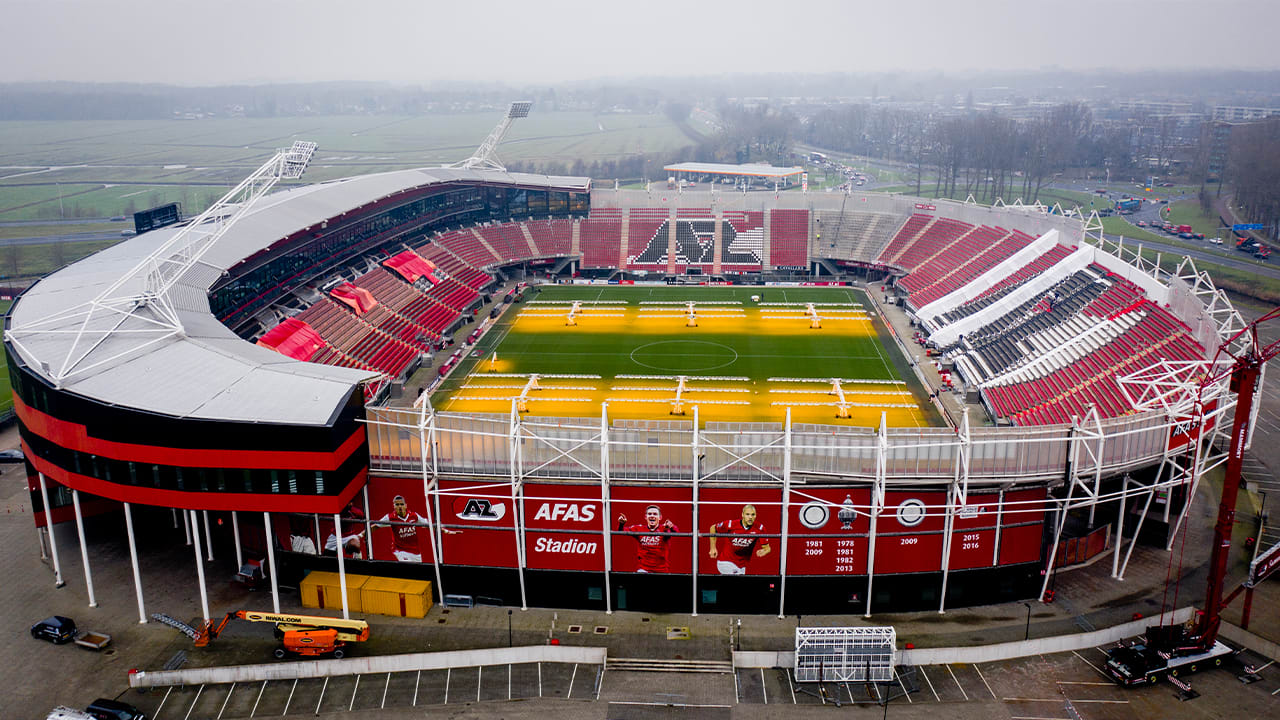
column 323, row 590
column 392, row 596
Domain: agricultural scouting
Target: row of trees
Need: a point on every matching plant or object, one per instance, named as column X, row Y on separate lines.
column 983, row 154
column 1254, row 169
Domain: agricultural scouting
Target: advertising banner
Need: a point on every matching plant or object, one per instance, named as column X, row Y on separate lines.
column 828, row 529
column 478, row 524
column 563, row 527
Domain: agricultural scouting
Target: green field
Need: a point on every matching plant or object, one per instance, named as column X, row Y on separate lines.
column 741, row 355
column 109, row 168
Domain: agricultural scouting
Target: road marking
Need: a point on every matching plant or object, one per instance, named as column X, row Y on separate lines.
column 957, row 682
column 566, row 695
column 984, row 681
column 255, row 702
column 1086, row 662
column 509, row 682
column 664, row 704
column 1034, row 717
column 763, row 690
column 904, row 688
column 417, row 681
column 1022, row 699
column 1082, row 682
column 1264, row 667
column 792, row 686
column 1277, row 690
column 480, row 680
column 286, row 702
column 167, row 698
column 384, row 691
column 1108, row 702
column 325, row 686
column 737, row 692
column 539, row 679
column 848, row 692
column 930, row 682
column 193, row 702
column 224, row 702
column 449, row 671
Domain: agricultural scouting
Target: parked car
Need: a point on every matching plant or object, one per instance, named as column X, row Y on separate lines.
column 56, row 629
column 12, row 456
column 1216, row 240
column 107, row 709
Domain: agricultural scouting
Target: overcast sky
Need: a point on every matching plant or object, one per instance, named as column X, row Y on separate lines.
column 425, row 42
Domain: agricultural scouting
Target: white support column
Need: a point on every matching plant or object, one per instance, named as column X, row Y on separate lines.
column 204, row 592
column 342, row 566
column 1097, row 473
column 53, row 540
column 208, row 535
column 1057, row 538
column 368, row 520
column 517, row 525
column 271, row 562
column 133, row 561
column 174, row 512
column 877, row 502
column 235, row 531
column 606, row 507
column 786, row 512
column 1115, row 553
column 995, row 550
column 84, row 548
column 315, row 530
column 186, row 526
column 693, row 444
column 948, row 529
column 435, row 533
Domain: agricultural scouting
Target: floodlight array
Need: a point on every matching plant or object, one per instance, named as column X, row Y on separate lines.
column 541, row 375
column 587, row 388
column 527, row 398
column 690, row 378
column 580, row 302
column 690, row 302
column 667, row 389
column 827, row 381
column 670, row 401
column 806, row 304
column 898, row 393
column 779, row 403
column 807, row 317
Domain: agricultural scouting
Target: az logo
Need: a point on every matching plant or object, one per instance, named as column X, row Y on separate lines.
column 480, row 509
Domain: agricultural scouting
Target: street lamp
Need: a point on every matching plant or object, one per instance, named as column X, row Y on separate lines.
column 509, row 643
column 1027, row 634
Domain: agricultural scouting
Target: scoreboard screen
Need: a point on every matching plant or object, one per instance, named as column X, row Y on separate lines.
column 157, row 217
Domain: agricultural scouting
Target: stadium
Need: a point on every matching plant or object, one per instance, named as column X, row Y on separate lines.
column 655, row 371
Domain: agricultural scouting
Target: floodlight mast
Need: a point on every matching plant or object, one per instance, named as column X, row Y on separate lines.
column 484, row 157
column 148, row 314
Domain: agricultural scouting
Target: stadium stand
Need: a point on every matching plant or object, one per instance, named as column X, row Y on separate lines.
column 508, row 241
column 645, row 246
column 789, row 238
column 551, row 238
column 468, row 247
column 852, row 235
column 601, row 238
column 970, row 256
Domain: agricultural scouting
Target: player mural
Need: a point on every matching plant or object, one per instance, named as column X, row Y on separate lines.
column 653, row 539
column 735, row 542
column 405, row 524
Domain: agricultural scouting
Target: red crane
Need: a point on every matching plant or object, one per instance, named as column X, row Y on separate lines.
column 1244, row 371
column 1168, row 651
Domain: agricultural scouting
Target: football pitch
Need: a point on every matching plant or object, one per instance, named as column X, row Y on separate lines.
column 737, row 354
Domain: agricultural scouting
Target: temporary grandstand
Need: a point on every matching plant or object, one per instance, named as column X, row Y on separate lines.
column 247, row 362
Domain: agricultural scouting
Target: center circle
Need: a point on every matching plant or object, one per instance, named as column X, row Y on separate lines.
column 684, row 355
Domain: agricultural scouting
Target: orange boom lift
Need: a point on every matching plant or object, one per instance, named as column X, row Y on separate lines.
column 304, row 635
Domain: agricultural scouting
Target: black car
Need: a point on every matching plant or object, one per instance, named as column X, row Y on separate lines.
column 105, row 709
column 56, row 629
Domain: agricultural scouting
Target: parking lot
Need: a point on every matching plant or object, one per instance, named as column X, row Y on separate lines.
column 1066, row 686
column 384, row 691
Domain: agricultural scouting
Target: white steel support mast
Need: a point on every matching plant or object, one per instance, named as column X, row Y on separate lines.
column 484, row 158
column 138, row 304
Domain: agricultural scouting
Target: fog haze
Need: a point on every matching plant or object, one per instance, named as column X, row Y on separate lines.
column 185, row 42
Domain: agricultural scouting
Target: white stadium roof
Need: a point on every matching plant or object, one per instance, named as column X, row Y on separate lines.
column 207, row 372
